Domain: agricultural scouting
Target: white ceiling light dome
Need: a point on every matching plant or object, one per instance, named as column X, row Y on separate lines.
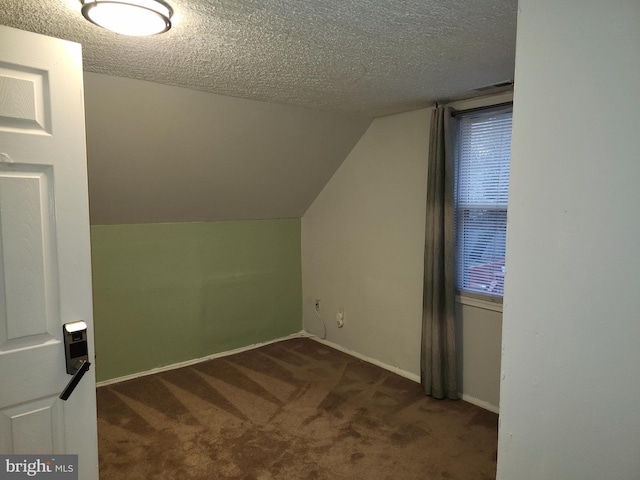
column 129, row 17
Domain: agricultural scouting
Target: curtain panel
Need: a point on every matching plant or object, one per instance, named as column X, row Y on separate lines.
column 438, row 349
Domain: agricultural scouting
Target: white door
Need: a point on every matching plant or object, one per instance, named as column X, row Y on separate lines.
column 45, row 277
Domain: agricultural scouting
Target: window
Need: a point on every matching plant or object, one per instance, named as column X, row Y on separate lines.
column 483, row 152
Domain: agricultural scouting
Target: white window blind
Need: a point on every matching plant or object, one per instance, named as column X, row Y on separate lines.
column 483, row 152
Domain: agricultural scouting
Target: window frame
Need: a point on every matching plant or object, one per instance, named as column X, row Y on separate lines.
column 487, row 300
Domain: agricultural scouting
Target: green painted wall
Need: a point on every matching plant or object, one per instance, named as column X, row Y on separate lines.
column 166, row 293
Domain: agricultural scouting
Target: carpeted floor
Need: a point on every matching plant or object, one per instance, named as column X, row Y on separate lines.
column 293, row 410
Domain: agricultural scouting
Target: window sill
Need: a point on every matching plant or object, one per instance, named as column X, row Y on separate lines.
column 479, row 303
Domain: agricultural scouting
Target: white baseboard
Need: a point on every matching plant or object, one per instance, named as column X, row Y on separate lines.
column 403, row 373
column 479, row 403
column 378, row 363
column 399, row 371
column 187, row 363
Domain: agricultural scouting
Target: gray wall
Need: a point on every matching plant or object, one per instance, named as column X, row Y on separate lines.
column 570, row 392
column 166, row 154
column 478, row 339
column 363, row 250
column 363, row 242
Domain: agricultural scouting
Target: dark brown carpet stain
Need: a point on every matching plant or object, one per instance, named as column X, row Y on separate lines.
column 344, row 419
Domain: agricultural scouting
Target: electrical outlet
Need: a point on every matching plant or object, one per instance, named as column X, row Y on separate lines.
column 317, row 304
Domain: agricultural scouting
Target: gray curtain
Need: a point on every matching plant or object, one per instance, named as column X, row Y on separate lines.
column 438, row 353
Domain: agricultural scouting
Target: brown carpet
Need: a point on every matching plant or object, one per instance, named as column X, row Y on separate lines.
column 291, row 410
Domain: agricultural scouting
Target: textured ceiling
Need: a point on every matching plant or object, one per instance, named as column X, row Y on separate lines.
column 366, row 57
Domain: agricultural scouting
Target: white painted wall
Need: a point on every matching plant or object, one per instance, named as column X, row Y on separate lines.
column 363, row 241
column 570, row 396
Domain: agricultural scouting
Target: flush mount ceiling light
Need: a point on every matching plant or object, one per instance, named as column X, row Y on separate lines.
column 129, row 17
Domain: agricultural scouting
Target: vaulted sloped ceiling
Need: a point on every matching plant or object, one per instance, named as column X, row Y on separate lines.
column 167, row 154
column 326, row 68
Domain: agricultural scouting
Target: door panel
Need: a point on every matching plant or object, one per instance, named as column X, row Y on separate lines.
column 45, row 269
column 25, row 102
column 35, row 427
column 28, row 256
